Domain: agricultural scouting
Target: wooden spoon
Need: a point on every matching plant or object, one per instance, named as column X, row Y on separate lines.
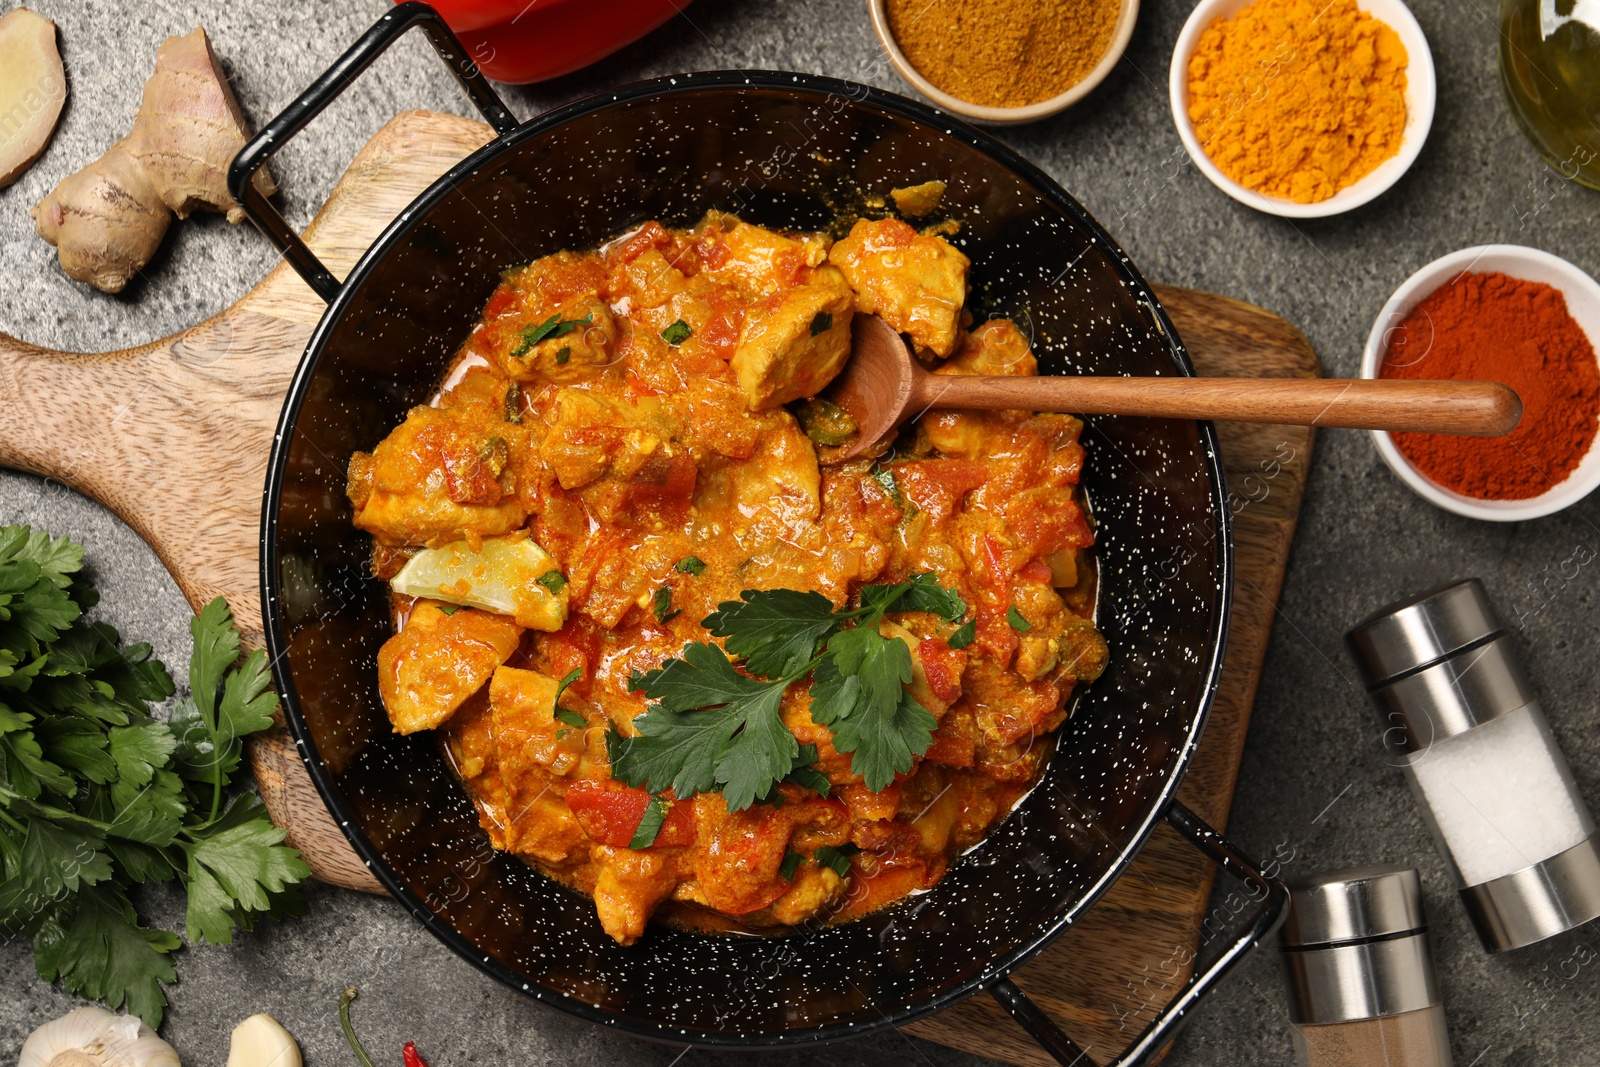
column 883, row 385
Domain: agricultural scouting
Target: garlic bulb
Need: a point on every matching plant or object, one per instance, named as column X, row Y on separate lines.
column 261, row 1041
column 94, row 1037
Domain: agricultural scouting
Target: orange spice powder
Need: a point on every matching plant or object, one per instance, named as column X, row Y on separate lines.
column 1003, row 53
column 1298, row 98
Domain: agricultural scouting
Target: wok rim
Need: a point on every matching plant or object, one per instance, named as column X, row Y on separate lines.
column 277, row 643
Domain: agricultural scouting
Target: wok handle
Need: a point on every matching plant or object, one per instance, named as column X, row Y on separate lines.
column 334, row 81
column 1274, row 902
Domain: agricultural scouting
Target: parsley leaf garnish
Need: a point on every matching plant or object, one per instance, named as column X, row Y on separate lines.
column 96, row 795
column 1018, row 623
column 712, row 727
column 791, row 863
column 836, row 858
column 554, row 326
column 964, row 634
column 691, row 565
column 552, row 580
column 821, row 322
column 655, row 814
column 677, row 333
column 563, row 354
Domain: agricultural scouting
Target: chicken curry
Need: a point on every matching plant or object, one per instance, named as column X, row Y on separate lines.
column 683, row 659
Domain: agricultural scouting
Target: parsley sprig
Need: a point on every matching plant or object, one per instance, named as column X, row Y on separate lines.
column 714, row 728
column 554, row 326
column 97, row 796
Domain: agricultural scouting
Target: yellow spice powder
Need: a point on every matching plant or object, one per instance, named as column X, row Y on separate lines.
column 1298, row 98
column 1003, row 53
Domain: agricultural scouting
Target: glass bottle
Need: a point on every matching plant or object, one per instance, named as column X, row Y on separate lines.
column 1550, row 69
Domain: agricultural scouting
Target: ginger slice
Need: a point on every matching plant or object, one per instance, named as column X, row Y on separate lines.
column 108, row 219
column 33, row 88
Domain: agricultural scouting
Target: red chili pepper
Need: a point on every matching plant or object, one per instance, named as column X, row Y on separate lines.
column 412, row 1057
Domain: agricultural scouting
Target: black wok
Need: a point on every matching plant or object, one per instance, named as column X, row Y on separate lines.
column 785, row 150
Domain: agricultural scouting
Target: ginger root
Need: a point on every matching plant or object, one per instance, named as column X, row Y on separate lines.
column 108, row 219
column 33, row 87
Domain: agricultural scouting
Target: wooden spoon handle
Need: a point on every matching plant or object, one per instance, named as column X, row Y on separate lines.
column 1480, row 409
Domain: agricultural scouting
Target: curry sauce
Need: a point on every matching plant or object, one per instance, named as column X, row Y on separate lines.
column 615, row 453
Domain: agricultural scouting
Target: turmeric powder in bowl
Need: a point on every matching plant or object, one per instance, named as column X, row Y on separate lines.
column 1298, row 99
column 1004, row 53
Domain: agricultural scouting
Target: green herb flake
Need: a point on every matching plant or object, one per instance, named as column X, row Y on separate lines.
column 837, row 859
column 564, row 354
column 1018, row 623
column 566, row 680
column 691, row 565
column 661, row 605
column 550, row 328
column 963, row 635
column 553, row 581
column 791, row 863
column 450, row 609
column 825, row 422
column 677, row 333
column 821, row 322
column 572, row 718
column 650, row 826
column 891, row 488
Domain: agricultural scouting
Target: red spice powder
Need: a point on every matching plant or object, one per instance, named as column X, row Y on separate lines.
column 1496, row 328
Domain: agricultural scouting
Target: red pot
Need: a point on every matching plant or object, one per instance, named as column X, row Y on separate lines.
column 525, row 41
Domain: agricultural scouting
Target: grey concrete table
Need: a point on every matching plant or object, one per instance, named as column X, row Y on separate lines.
column 1314, row 788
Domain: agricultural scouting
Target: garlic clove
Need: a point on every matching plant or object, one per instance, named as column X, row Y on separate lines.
column 95, row 1037
column 261, row 1041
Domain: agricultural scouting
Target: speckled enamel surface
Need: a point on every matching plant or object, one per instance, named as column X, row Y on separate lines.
column 786, row 151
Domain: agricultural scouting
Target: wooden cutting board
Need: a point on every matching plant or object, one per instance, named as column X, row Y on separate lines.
column 173, row 436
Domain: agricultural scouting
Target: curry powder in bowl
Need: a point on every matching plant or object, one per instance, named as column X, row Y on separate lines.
column 1004, row 61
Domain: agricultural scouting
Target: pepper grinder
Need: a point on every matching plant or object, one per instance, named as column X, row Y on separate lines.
column 1364, row 993
column 1477, row 749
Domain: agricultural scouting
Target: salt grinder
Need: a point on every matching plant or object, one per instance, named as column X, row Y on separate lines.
column 1498, row 795
column 1364, row 993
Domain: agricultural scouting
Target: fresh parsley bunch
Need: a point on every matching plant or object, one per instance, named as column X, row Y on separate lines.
column 96, row 796
column 712, row 728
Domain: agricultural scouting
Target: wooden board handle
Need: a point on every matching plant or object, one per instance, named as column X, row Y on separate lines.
column 1480, row 409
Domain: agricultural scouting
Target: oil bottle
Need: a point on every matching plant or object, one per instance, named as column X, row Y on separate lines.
column 1550, row 69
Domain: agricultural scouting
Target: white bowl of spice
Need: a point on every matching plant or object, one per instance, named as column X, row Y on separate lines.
column 1502, row 313
column 1302, row 108
column 1004, row 62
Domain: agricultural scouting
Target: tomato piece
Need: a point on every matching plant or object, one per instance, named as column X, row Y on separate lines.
column 938, row 486
column 651, row 235
column 610, row 813
column 943, row 666
column 955, row 742
column 864, row 804
column 1036, row 570
column 638, row 387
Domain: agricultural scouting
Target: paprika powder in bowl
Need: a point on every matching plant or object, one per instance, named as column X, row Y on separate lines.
column 1262, row 92
column 1511, row 314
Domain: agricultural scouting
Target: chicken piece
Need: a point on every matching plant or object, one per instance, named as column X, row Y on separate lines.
column 631, row 883
column 814, row 887
column 531, row 747
column 795, row 342
column 917, row 282
column 756, row 260
column 780, row 480
column 592, row 435
column 548, row 323
column 737, row 855
column 570, row 343
column 441, row 476
column 440, row 659
column 995, row 347
column 915, row 201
